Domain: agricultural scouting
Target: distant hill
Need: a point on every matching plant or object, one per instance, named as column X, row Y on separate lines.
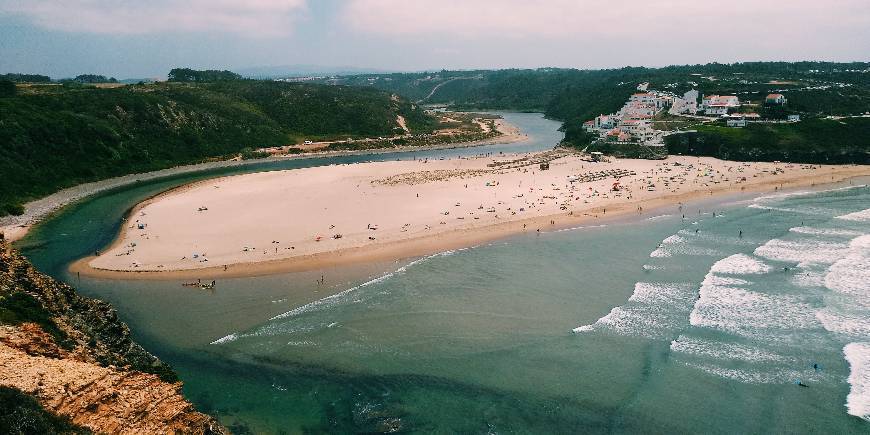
column 281, row 71
column 813, row 89
column 52, row 137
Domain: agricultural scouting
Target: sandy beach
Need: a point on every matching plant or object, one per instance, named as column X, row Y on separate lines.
column 306, row 218
column 16, row 227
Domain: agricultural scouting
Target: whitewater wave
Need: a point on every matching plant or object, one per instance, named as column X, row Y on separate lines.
column 723, row 351
column 803, row 252
column 725, row 306
column 831, row 232
column 858, row 216
column 858, row 400
column 652, row 309
column 846, row 323
column 779, row 196
column 751, row 377
column 740, row 264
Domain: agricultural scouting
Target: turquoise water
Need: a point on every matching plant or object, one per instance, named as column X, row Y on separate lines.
column 592, row 329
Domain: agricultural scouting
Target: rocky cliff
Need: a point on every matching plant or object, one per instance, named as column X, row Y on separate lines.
column 77, row 360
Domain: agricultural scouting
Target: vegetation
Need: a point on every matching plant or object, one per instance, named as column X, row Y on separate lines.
column 19, row 307
column 7, row 89
column 25, row 78
column 810, row 141
column 55, row 137
column 573, row 96
column 21, row 413
column 191, row 75
column 93, row 78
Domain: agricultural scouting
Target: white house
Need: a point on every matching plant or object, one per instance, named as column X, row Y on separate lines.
column 687, row 104
column 691, row 101
column 719, row 104
column 605, row 122
column 736, row 122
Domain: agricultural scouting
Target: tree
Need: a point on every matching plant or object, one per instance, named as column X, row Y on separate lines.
column 192, row 75
column 7, row 88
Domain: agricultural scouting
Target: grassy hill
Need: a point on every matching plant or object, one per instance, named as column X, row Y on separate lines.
column 53, row 136
column 812, row 141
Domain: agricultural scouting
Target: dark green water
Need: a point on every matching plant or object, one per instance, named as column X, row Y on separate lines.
column 480, row 340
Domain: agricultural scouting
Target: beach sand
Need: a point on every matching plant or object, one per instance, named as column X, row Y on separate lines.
column 308, row 218
column 16, row 227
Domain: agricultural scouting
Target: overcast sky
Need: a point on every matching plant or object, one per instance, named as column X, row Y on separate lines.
column 145, row 38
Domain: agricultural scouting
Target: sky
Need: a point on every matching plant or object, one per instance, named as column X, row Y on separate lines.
column 146, row 38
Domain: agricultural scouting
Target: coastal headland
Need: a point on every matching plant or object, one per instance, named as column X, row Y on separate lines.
column 305, row 219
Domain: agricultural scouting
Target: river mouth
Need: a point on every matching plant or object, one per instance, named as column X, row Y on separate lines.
column 479, row 339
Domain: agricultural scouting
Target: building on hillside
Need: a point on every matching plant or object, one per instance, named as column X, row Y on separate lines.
column 778, row 99
column 605, row 121
column 647, row 98
column 794, row 118
column 589, row 126
column 691, row 99
column 643, row 86
column 719, row 104
column 736, row 122
column 688, row 104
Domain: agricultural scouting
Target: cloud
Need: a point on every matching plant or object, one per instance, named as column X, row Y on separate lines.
column 256, row 18
column 646, row 20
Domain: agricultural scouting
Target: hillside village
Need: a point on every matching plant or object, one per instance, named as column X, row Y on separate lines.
column 640, row 119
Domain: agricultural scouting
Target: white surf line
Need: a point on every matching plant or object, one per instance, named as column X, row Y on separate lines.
column 858, row 216
column 858, row 400
column 803, row 252
column 778, row 196
column 651, row 310
column 829, row 232
column 724, row 350
column 329, row 300
column 726, row 304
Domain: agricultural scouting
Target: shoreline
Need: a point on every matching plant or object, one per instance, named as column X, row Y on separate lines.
column 459, row 238
column 15, row 228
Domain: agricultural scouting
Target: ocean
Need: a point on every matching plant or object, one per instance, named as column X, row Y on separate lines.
column 742, row 314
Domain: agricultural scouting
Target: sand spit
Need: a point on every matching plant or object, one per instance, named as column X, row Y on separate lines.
column 307, row 218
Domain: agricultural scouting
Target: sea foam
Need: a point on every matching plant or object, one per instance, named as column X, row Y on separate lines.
column 830, row 232
column 858, row 216
column 723, row 351
column 729, row 308
column 652, row 309
column 858, row 400
column 740, row 264
column 803, row 252
column 850, row 275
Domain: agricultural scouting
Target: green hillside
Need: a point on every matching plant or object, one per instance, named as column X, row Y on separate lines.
column 824, row 141
column 53, row 136
column 813, row 89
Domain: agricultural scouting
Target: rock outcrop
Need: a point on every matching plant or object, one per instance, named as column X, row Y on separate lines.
column 78, row 360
